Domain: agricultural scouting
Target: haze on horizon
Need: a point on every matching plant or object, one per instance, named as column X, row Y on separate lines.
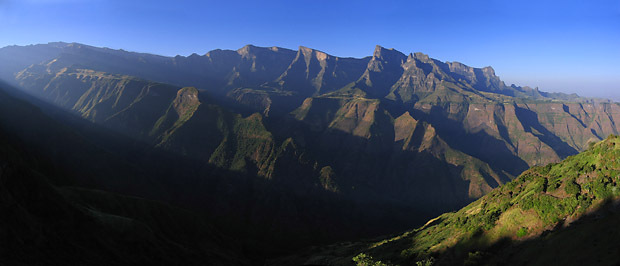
column 558, row 46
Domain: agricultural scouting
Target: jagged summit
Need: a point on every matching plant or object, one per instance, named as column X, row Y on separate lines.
column 489, row 70
column 308, row 52
column 382, row 60
column 421, row 56
column 387, row 73
column 418, row 55
column 387, row 54
column 252, row 50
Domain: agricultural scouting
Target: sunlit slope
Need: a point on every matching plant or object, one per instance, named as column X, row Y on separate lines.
column 564, row 212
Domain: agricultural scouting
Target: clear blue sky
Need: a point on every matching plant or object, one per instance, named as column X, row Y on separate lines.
column 569, row 46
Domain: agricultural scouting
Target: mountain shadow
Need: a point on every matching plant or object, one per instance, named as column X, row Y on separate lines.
column 559, row 213
column 530, row 122
column 480, row 144
column 265, row 218
column 41, row 222
column 587, row 240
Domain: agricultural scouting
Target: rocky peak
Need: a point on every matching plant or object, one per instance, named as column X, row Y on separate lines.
column 251, row 51
column 187, row 99
column 390, row 54
column 213, row 52
column 275, row 49
column 488, row 70
column 459, row 68
column 384, row 58
column 421, row 56
column 305, row 50
column 309, row 53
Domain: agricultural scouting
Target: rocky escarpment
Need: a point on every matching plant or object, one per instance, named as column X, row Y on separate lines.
column 395, row 127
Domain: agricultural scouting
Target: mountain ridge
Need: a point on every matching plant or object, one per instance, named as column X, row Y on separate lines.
column 291, row 148
column 458, row 101
column 77, row 47
column 405, row 131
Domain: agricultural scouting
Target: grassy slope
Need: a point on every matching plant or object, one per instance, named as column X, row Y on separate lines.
column 560, row 208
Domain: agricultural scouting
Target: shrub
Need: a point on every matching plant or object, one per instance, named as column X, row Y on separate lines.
column 541, row 186
column 426, row 262
column 591, row 144
column 474, row 258
column 366, row 260
column 584, row 202
column 556, row 184
column 572, row 188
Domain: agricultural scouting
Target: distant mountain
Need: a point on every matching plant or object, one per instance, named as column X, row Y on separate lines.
column 562, row 213
column 192, row 123
column 307, row 130
column 523, row 126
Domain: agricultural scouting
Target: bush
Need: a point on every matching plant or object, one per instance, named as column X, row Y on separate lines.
column 490, row 218
column 556, row 184
column 591, row 144
column 366, row 260
column 426, row 262
column 601, row 190
column 474, row 258
column 572, row 188
column 584, row 202
column 541, row 186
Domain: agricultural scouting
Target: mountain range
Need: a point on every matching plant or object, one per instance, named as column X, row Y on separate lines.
column 293, row 147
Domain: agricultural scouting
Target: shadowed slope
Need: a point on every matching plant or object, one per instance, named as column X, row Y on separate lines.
column 538, row 211
column 59, row 226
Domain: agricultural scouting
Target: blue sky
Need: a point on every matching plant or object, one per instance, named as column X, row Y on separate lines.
column 569, row 46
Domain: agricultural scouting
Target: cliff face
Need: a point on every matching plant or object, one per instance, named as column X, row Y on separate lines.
column 536, row 132
column 392, row 155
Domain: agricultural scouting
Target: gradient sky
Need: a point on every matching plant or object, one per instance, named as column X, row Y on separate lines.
column 567, row 46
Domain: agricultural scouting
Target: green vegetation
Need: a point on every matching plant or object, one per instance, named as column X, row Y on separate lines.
column 537, row 200
column 426, row 262
column 365, row 260
column 487, row 133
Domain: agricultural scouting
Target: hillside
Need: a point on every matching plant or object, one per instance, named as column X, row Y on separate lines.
column 562, row 213
column 295, row 148
column 266, row 214
column 45, row 217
